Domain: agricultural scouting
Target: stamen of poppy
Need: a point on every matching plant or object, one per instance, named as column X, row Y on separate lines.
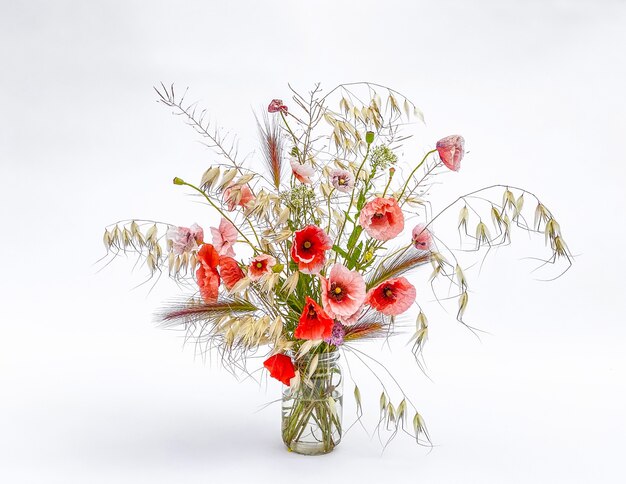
column 259, row 265
column 388, row 292
column 378, row 215
column 337, row 290
column 307, row 244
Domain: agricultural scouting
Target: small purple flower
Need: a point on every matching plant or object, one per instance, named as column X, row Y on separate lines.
column 337, row 334
column 342, row 180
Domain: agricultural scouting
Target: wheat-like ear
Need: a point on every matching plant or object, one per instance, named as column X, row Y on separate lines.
column 369, row 326
column 194, row 311
column 365, row 330
column 397, row 265
column 272, row 144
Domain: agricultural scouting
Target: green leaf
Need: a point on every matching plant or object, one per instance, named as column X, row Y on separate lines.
column 340, row 251
column 356, row 255
column 361, row 200
column 356, row 233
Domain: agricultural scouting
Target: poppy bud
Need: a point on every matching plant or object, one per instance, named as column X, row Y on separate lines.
column 369, row 137
column 451, row 150
column 178, row 181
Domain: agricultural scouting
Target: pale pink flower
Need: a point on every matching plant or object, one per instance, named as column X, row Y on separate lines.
column 224, row 237
column 303, row 173
column 451, row 150
column 277, row 105
column 260, row 265
column 185, row 239
column 421, row 237
column 382, row 218
column 343, row 292
column 238, row 195
column 342, row 180
column 349, row 321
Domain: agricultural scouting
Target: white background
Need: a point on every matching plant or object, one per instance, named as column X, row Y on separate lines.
column 91, row 391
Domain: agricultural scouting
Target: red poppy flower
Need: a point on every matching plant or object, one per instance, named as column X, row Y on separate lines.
column 392, row 297
column 280, row 367
column 207, row 276
column 451, row 150
column 314, row 322
column 309, row 249
column 277, row 105
column 260, row 265
column 230, row 271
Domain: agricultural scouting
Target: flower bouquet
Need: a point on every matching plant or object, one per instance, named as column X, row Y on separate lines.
column 311, row 254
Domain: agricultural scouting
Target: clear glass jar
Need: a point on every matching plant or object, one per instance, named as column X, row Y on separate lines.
column 311, row 413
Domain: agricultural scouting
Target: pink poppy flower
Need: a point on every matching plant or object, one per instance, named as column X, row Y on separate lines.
column 451, row 150
column 260, row 265
column 343, row 292
column 303, row 173
column 342, row 180
column 185, row 239
column 349, row 321
column 238, row 196
column 224, row 238
column 382, row 218
column 309, row 249
column 392, row 297
column 277, row 105
column 421, row 237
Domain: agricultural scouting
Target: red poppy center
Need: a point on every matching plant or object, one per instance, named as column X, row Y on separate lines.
column 259, row 265
column 307, row 244
column 378, row 215
column 388, row 292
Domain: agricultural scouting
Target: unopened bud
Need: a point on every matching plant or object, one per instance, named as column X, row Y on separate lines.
column 178, row 181
column 369, row 137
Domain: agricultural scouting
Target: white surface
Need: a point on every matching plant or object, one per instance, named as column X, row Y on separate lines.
column 90, row 391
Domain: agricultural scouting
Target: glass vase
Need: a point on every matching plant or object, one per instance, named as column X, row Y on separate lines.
column 311, row 413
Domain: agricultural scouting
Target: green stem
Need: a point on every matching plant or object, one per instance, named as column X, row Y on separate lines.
column 356, row 181
column 413, row 172
column 330, row 218
column 295, row 139
column 387, row 186
column 212, row 203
